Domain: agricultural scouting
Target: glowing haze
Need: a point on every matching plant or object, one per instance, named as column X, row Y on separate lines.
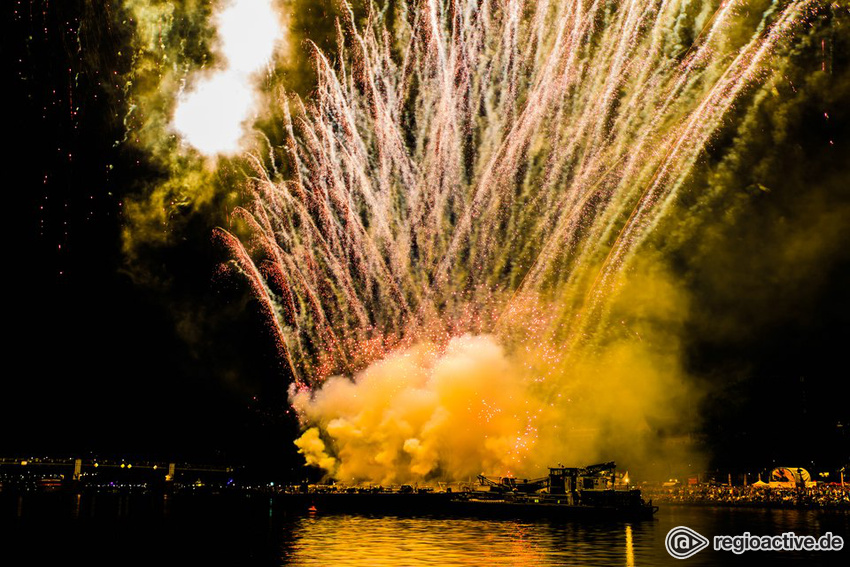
column 212, row 116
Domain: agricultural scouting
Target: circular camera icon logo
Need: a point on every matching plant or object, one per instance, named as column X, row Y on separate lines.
column 683, row 542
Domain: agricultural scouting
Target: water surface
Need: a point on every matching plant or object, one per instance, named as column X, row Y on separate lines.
column 111, row 529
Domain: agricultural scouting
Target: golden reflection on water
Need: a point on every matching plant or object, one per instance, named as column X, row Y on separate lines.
column 401, row 541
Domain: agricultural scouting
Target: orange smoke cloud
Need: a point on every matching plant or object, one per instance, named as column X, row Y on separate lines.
column 422, row 413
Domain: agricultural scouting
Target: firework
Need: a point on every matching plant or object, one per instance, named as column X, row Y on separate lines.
column 469, row 196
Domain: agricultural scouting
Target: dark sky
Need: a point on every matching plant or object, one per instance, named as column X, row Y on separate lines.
column 97, row 362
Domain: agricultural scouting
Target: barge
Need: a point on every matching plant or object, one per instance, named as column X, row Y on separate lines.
column 565, row 493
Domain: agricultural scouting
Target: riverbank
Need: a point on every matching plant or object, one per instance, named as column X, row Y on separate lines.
column 817, row 497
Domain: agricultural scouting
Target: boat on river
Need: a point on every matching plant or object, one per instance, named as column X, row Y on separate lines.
column 565, row 493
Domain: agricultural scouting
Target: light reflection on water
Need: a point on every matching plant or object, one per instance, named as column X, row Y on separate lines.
column 390, row 541
column 378, row 541
column 413, row 541
column 256, row 531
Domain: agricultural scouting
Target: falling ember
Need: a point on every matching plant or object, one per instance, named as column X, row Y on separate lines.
column 466, row 224
column 213, row 115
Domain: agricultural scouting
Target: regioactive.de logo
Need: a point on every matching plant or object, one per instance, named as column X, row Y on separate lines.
column 683, row 542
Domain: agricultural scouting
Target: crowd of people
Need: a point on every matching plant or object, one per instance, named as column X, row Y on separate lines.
column 819, row 496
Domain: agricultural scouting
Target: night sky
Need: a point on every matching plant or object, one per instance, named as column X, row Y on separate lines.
column 158, row 356
column 97, row 360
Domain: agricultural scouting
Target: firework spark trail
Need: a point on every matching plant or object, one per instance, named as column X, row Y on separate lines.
column 339, row 170
column 679, row 160
column 485, row 167
column 261, row 291
column 687, row 142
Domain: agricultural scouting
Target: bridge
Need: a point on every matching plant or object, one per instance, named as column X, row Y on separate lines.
column 76, row 466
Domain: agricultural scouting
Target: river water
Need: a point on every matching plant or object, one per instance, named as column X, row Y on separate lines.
column 106, row 529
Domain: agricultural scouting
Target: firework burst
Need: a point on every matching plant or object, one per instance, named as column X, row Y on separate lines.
column 486, row 168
